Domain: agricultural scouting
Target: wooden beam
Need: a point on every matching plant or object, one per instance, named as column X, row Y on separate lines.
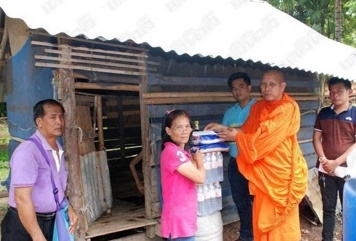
column 84, row 49
column 71, row 147
column 95, row 56
column 86, row 68
column 99, row 109
column 96, row 86
column 207, row 97
column 89, row 62
column 102, row 43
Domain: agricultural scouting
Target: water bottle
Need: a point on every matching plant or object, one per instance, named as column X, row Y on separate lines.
column 220, row 168
column 207, row 200
column 213, row 197
column 214, row 167
column 207, row 166
column 218, row 195
column 200, row 198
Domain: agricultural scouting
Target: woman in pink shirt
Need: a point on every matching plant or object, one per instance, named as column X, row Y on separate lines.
column 180, row 171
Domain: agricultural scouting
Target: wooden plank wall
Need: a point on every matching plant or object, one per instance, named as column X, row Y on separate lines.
column 122, row 137
column 122, row 133
column 186, row 78
column 122, row 141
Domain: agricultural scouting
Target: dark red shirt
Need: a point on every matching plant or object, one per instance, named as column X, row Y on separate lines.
column 338, row 131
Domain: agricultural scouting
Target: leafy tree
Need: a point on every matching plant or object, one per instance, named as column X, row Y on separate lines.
column 322, row 16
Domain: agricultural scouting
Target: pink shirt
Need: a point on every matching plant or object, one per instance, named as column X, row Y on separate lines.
column 179, row 211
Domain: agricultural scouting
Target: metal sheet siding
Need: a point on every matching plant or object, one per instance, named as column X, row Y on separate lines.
column 26, row 86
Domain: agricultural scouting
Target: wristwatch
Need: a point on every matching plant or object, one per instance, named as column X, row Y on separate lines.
column 322, row 158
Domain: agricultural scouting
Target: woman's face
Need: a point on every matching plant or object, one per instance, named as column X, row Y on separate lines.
column 180, row 130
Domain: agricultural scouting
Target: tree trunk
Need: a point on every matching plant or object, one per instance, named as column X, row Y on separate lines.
column 338, row 21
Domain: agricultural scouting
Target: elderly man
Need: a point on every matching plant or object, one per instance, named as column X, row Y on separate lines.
column 271, row 160
column 32, row 205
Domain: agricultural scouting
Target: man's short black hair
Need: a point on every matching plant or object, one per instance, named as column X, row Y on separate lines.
column 239, row 75
column 38, row 109
column 335, row 80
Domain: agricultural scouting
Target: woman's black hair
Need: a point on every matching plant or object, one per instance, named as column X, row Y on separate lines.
column 168, row 121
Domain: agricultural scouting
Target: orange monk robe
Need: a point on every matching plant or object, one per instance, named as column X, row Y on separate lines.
column 270, row 158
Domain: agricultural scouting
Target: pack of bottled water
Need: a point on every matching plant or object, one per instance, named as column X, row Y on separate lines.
column 214, row 166
column 209, row 194
column 209, row 198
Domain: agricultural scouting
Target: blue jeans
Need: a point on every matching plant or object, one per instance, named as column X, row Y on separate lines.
column 192, row 238
column 330, row 188
column 242, row 199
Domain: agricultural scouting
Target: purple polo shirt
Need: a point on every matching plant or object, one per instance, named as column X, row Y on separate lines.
column 30, row 169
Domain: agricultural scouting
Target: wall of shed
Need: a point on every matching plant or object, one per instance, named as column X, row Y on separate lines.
column 25, row 86
column 193, row 77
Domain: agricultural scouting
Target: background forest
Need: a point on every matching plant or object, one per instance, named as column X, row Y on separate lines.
column 335, row 19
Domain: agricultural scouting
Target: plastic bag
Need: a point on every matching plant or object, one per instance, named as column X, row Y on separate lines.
column 61, row 225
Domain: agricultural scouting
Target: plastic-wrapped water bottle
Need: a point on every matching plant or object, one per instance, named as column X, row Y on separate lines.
column 207, row 200
column 214, row 167
column 207, row 166
column 213, row 197
column 200, row 197
column 218, row 195
column 220, row 167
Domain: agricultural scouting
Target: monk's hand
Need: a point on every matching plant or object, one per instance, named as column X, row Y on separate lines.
column 73, row 220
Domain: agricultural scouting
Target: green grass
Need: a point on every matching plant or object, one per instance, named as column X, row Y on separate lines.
column 4, row 158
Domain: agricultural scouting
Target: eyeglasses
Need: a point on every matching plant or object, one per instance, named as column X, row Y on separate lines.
column 338, row 92
column 181, row 129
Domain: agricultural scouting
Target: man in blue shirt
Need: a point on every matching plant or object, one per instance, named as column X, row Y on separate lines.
column 235, row 116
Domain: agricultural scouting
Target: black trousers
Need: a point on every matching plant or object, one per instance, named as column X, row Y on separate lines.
column 330, row 188
column 12, row 228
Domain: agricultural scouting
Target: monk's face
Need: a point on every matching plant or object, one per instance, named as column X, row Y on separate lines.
column 272, row 85
column 240, row 90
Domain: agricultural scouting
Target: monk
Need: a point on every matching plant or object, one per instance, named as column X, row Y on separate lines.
column 271, row 160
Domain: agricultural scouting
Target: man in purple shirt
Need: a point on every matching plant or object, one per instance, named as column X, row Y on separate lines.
column 32, row 205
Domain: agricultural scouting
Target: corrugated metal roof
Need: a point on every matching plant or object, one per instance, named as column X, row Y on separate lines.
column 238, row 29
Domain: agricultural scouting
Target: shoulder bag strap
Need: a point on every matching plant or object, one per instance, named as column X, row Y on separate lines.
column 44, row 154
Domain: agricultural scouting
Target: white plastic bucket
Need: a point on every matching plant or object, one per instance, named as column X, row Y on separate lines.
column 210, row 227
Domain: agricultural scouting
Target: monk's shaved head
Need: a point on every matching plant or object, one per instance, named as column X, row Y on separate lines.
column 272, row 84
column 275, row 74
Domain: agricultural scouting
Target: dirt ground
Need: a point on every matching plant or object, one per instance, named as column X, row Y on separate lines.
column 310, row 232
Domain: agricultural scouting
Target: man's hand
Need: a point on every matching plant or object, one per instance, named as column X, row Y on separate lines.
column 228, row 134
column 216, row 127
column 73, row 219
column 329, row 165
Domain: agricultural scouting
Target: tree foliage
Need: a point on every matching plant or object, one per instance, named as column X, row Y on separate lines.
column 320, row 15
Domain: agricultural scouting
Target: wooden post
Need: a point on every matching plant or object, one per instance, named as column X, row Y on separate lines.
column 70, row 139
column 146, row 153
column 99, row 114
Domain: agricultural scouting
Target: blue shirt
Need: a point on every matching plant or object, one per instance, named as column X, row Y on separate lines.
column 235, row 116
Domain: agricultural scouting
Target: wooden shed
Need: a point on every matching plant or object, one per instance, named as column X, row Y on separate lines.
column 115, row 95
